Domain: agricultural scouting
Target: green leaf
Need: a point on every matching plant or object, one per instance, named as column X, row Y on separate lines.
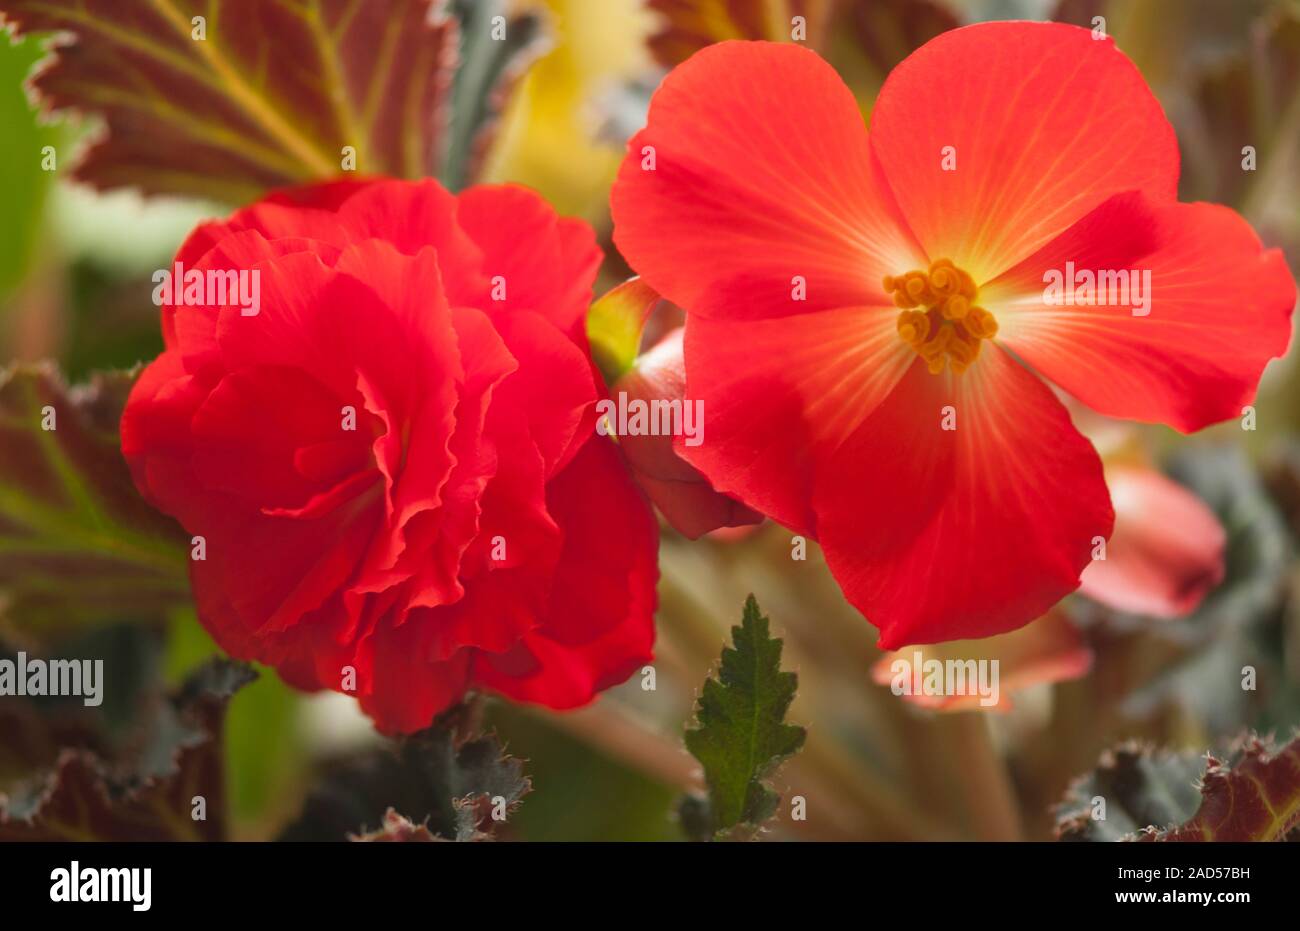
column 78, row 545
column 152, row 795
column 741, row 734
column 1252, row 794
column 22, row 199
column 1138, row 785
column 264, row 749
column 1255, row 797
column 614, row 325
column 269, row 95
column 437, row 779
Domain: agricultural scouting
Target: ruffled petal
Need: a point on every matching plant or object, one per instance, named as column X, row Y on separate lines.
column 545, row 263
column 599, row 626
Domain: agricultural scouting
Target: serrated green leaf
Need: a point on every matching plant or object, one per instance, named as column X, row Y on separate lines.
column 741, row 734
column 78, row 545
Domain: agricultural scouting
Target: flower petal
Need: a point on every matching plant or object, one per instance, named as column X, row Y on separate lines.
column 1167, row 550
column 1218, row 309
column 762, row 174
column 1044, row 123
column 778, row 391
column 553, row 277
column 941, row 534
column 600, row 624
column 1051, row 649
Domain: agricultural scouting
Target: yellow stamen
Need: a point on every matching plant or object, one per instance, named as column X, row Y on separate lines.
column 939, row 317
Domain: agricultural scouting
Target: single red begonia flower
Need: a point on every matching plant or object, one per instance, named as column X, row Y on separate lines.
column 872, row 321
column 392, row 462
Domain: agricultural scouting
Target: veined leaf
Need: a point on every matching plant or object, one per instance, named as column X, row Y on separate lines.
column 690, row 25
column 227, row 98
column 741, row 734
column 1254, row 798
column 151, row 797
column 77, row 542
column 1252, row 794
column 1132, row 787
column 874, row 35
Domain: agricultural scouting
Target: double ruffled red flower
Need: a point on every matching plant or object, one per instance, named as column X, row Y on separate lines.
column 469, row 528
column 851, row 295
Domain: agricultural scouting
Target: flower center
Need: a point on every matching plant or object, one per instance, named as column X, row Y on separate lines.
column 939, row 319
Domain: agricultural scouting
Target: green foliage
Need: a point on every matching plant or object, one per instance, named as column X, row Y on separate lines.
column 149, row 794
column 740, row 734
column 212, row 108
column 79, row 544
column 1139, row 787
column 441, row 779
column 584, row 794
column 22, row 198
column 1252, row 794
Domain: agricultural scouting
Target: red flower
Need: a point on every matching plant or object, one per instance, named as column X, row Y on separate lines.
column 393, row 464
column 868, row 318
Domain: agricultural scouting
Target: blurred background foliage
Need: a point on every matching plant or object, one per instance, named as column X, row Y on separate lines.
column 554, row 114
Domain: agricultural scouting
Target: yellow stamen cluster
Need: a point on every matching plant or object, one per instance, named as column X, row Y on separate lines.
column 940, row 319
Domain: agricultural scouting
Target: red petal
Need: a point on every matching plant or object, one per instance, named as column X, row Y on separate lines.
column 946, row 534
column 1166, row 553
column 414, row 215
column 552, row 273
column 762, row 173
column 406, row 690
column 781, row 394
column 554, row 389
column 600, row 623
column 1045, row 121
column 1219, row 308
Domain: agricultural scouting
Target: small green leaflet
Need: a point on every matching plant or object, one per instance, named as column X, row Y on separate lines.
column 740, row 734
